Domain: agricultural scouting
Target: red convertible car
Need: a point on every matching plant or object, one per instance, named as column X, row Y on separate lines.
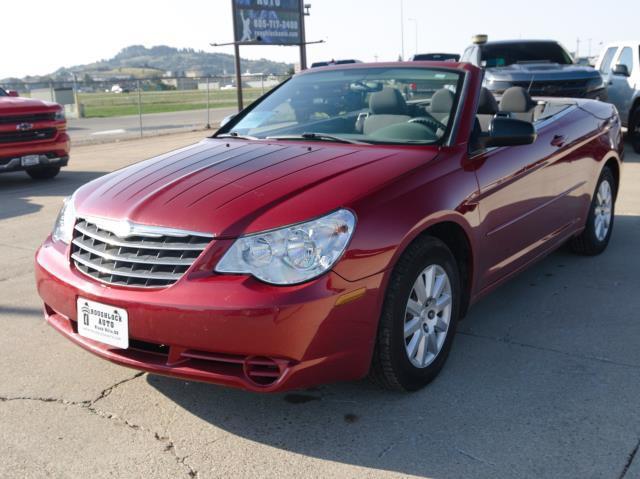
column 340, row 226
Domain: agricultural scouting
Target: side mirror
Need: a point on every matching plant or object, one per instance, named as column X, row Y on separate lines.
column 12, row 93
column 227, row 119
column 621, row 70
column 505, row 131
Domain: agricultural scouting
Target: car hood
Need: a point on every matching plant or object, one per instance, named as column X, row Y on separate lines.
column 19, row 105
column 235, row 187
column 540, row 71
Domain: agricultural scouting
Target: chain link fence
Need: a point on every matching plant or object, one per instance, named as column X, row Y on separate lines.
column 138, row 107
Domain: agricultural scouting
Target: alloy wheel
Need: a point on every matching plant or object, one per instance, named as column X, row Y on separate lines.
column 603, row 211
column 427, row 316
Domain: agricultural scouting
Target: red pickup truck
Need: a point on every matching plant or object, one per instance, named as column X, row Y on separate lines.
column 33, row 136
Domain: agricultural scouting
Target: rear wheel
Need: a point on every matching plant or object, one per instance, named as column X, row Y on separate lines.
column 43, row 173
column 419, row 317
column 597, row 233
column 634, row 129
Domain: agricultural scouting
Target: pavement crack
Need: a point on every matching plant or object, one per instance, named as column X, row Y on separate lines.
column 386, row 450
column 170, row 447
column 630, row 459
column 45, row 400
column 105, row 392
column 90, row 407
column 476, row 458
column 506, row 340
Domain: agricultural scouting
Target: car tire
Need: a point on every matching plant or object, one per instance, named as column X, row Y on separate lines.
column 595, row 237
column 394, row 366
column 634, row 129
column 43, row 173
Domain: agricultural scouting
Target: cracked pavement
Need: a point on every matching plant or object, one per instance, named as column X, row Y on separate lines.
column 543, row 379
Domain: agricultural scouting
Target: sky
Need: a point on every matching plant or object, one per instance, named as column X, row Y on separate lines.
column 45, row 35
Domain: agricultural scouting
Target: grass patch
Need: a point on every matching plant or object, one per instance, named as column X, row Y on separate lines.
column 122, row 104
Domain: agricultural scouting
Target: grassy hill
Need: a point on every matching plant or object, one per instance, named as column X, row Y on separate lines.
column 140, row 61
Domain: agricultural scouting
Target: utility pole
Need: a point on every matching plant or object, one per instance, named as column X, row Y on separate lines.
column 577, row 48
column 236, row 50
column 402, row 27
column 303, row 40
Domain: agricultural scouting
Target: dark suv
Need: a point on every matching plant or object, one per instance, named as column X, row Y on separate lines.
column 543, row 67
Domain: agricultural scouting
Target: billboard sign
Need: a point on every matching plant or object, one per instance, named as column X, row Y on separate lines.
column 267, row 22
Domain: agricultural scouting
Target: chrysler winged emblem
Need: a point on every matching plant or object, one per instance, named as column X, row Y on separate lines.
column 122, row 229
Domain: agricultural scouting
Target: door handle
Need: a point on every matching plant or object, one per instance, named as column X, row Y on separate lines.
column 558, row 140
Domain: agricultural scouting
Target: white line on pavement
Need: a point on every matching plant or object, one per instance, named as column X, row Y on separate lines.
column 109, row 132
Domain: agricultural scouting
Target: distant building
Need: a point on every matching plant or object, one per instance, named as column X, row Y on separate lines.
column 213, row 85
column 195, row 73
column 181, row 83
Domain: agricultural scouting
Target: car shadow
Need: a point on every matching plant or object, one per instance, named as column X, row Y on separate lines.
column 17, row 190
column 529, row 377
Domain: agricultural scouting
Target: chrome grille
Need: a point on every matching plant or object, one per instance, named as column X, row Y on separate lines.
column 145, row 256
column 30, row 118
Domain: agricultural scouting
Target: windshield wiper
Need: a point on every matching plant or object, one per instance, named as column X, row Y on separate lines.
column 316, row 137
column 233, row 134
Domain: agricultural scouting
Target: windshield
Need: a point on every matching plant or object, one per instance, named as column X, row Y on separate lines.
column 3, row 93
column 371, row 105
column 505, row 54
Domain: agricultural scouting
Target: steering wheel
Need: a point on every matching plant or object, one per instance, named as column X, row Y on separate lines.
column 429, row 121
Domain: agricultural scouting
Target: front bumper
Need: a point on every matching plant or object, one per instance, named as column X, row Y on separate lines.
column 229, row 330
column 54, row 152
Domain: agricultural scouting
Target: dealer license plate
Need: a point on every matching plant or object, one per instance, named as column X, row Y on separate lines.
column 104, row 323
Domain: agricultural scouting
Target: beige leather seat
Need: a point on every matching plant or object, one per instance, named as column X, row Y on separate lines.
column 386, row 107
column 487, row 109
column 441, row 105
column 518, row 103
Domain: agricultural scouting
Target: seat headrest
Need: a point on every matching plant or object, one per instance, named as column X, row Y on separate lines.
column 516, row 100
column 487, row 104
column 388, row 101
column 442, row 101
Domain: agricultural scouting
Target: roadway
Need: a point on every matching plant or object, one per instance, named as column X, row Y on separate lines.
column 102, row 130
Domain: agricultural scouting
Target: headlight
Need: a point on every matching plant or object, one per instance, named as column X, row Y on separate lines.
column 63, row 228
column 292, row 254
column 595, row 84
column 59, row 116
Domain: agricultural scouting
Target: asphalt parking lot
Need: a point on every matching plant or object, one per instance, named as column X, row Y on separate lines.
column 543, row 379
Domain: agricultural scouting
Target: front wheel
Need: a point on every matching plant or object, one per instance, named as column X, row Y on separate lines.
column 634, row 129
column 419, row 317
column 597, row 233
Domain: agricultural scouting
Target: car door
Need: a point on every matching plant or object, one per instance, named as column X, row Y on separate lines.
column 605, row 66
column 528, row 196
column 621, row 87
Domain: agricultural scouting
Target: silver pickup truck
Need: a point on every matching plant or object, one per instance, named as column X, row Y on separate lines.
column 619, row 64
